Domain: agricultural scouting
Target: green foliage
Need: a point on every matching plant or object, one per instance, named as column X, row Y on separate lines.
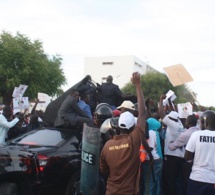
column 155, row 83
column 210, row 108
column 23, row 61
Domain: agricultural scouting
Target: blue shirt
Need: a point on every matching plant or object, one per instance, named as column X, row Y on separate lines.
column 85, row 107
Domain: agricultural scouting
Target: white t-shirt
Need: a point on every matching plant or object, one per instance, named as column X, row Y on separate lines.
column 174, row 129
column 152, row 142
column 202, row 143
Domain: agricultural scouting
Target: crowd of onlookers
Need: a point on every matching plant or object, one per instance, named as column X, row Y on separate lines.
column 14, row 123
column 150, row 150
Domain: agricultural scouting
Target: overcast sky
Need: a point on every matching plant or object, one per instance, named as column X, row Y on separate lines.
column 159, row 32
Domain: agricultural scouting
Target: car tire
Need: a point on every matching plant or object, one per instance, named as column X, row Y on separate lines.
column 73, row 187
column 8, row 189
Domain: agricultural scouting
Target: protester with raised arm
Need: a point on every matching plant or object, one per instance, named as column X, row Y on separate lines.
column 120, row 160
column 173, row 160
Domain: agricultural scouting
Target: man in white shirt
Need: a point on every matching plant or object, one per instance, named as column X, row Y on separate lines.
column 201, row 149
column 181, row 142
column 173, row 160
column 5, row 125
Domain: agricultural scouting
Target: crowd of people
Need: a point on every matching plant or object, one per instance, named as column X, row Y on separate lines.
column 151, row 151
column 148, row 150
column 14, row 123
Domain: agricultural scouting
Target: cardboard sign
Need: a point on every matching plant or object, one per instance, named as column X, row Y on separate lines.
column 178, row 75
column 185, row 109
column 20, row 103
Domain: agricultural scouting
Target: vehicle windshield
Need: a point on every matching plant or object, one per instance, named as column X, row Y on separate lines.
column 43, row 137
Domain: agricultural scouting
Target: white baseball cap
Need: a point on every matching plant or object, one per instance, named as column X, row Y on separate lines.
column 127, row 104
column 126, row 120
column 173, row 114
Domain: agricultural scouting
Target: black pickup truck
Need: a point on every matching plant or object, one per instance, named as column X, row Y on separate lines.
column 19, row 172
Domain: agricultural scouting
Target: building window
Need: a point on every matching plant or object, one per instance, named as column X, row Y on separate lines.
column 107, row 63
column 104, row 79
column 137, row 64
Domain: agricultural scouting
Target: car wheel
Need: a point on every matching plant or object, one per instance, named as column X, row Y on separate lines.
column 73, row 187
column 8, row 188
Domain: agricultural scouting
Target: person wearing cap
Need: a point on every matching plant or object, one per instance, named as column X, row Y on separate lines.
column 133, row 108
column 201, row 149
column 126, row 105
column 119, row 159
column 5, row 125
column 145, row 150
column 173, row 159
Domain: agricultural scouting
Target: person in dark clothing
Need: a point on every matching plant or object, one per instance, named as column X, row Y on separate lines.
column 70, row 113
column 111, row 94
column 33, row 123
column 22, row 127
column 16, row 129
column 88, row 87
column 37, row 113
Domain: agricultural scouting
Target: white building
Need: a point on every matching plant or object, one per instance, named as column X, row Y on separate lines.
column 120, row 67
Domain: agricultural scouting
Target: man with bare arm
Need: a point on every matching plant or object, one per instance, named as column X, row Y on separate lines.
column 120, row 160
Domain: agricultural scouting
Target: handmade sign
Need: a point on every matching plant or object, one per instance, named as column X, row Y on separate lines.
column 185, row 109
column 178, row 75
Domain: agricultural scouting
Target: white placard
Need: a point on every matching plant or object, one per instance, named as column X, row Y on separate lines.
column 170, row 94
column 18, row 92
column 185, row 109
column 20, row 103
column 43, row 97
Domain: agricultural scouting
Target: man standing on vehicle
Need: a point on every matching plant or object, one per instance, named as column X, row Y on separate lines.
column 5, row 125
column 120, row 159
column 111, row 93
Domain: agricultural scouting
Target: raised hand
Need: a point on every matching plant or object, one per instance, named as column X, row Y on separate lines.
column 135, row 78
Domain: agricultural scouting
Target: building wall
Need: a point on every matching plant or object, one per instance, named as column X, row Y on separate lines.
column 120, row 67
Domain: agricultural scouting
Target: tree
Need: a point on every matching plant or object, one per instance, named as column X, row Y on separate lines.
column 23, row 61
column 155, row 83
